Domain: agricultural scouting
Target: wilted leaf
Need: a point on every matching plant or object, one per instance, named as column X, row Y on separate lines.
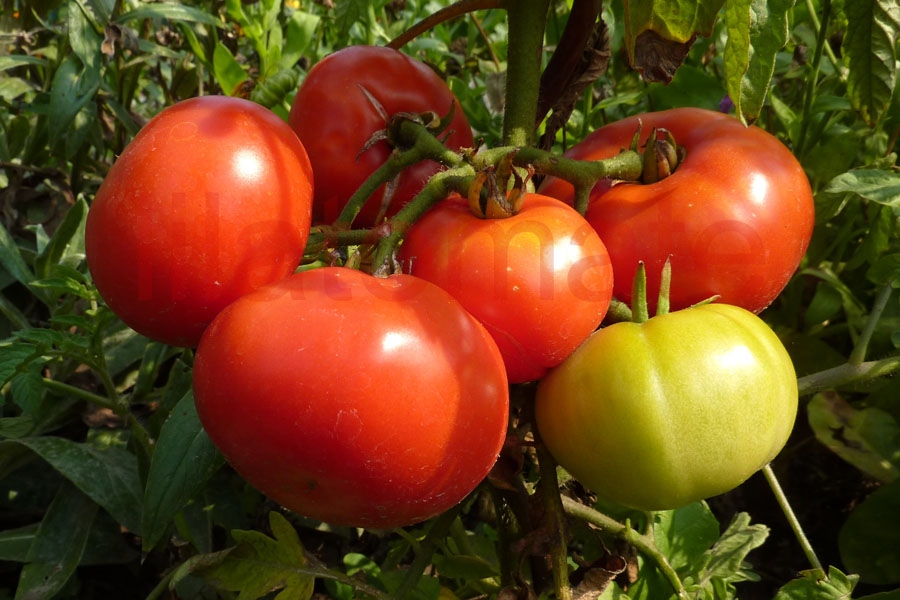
column 867, row 438
column 658, row 35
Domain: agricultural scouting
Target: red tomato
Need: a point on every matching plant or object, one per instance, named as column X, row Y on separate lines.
column 539, row 281
column 335, row 119
column 353, row 399
column 735, row 217
column 210, row 201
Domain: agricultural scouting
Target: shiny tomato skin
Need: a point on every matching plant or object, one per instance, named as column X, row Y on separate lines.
column 334, row 119
column 736, row 217
column 211, row 200
column 680, row 408
column 353, row 399
column 539, row 281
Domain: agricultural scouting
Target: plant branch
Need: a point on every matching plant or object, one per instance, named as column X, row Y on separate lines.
column 527, row 21
column 782, row 500
column 559, row 554
column 457, row 9
column 847, row 373
column 644, row 543
column 858, row 355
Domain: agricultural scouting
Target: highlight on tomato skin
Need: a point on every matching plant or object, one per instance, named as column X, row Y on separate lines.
column 351, row 399
column 211, row 200
column 735, row 217
column 539, row 281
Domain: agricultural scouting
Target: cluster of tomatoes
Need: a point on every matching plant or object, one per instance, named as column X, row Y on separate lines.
column 383, row 401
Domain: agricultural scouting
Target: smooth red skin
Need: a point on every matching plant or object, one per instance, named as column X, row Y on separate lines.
column 508, row 274
column 335, row 120
column 352, row 399
column 736, row 217
column 211, row 200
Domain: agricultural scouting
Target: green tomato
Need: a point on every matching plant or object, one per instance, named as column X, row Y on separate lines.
column 682, row 407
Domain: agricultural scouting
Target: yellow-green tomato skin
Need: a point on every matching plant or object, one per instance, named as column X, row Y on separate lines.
column 682, row 407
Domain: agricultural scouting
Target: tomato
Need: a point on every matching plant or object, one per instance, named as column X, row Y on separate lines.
column 540, row 281
column 353, row 399
column 736, row 216
column 335, row 120
column 211, row 200
column 682, row 407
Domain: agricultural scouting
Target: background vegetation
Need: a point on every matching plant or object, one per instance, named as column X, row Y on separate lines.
column 108, row 486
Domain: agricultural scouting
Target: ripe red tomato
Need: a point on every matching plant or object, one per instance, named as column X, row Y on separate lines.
column 211, row 200
column 736, row 216
column 680, row 408
column 353, row 399
column 335, row 119
column 539, row 281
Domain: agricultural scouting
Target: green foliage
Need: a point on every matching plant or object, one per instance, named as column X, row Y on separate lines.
column 106, row 472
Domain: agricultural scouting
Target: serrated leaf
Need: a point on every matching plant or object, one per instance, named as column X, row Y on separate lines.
column 878, row 185
column 108, row 476
column 815, row 585
column 228, row 71
column 13, row 355
column 870, row 53
column 260, row 565
column 58, row 545
column 757, row 31
column 658, row 35
column 867, row 438
column 183, row 462
column 170, row 10
column 727, row 556
column 869, row 540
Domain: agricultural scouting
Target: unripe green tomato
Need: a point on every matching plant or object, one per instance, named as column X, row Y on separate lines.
column 682, row 407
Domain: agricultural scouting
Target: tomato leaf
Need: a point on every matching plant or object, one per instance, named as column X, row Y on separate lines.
column 170, row 10
column 757, row 30
column 870, row 53
column 658, row 35
column 108, row 476
column 259, row 565
column 228, row 71
column 685, row 534
column 66, row 246
column 725, row 560
column 299, row 34
column 58, row 544
column 878, row 185
column 867, row 438
column 183, row 462
column 814, row 584
column 11, row 259
column 869, row 540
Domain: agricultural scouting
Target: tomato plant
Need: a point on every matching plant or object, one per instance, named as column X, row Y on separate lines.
column 682, row 407
column 375, row 402
column 335, row 119
column 208, row 202
column 540, row 281
column 736, row 216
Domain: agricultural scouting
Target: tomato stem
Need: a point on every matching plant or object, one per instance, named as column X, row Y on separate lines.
column 847, row 373
column 527, row 20
column 559, row 554
column 782, row 500
column 457, row 9
column 858, row 355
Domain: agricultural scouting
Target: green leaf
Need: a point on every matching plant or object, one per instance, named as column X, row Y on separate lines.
column 877, row 185
column 58, row 545
column 869, row 540
column 684, row 535
column 726, row 557
column 11, row 259
column 73, row 87
column 298, row 36
column 867, row 438
column 815, row 585
column 15, row 427
column 757, row 31
column 109, row 476
column 66, row 246
column 13, row 356
column 183, row 462
column 228, row 71
column 170, row 10
column 19, row 60
column 259, row 565
column 348, row 13
column 658, row 35
column 870, row 53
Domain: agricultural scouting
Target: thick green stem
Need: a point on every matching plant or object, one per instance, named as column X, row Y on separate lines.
column 782, row 500
column 644, row 544
column 862, row 344
column 847, row 373
column 527, row 21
